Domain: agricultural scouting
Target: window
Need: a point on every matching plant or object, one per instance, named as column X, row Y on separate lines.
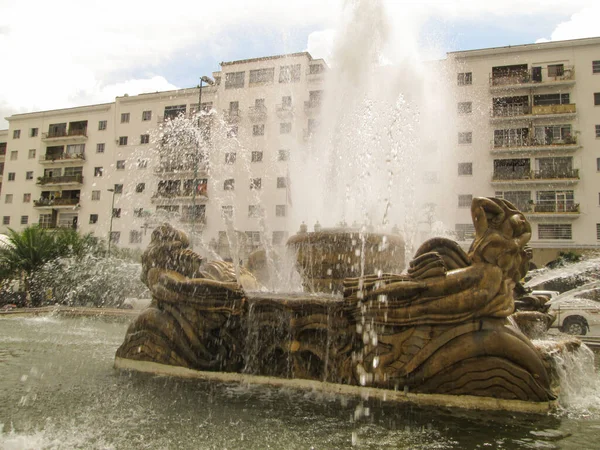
column 464, row 201
column 258, row 130
column 279, row 237
column 281, row 182
column 14, row 155
column 598, row 164
column 11, row 176
column 31, row 154
column 123, row 140
column 138, row 212
column 118, row 188
column 280, row 210
column 227, row 211
column 596, row 66
column 254, row 211
column 255, row 183
column 145, row 139
column 174, row 111
column 33, row 132
column 100, row 148
column 121, row 164
column 556, row 70
column 93, row 218
column 146, row 115
column 598, row 131
column 29, row 175
column 315, row 69
column 8, row 198
column 232, row 131
column 230, row 158
column 115, row 237
column 16, row 134
column 6, row 220
column 135, row 237
column 140, row 187
column 465, row 107
column 464, row 231
column 555, row 231
column 125, row 118
column 551, row 99
column 27, row 198
column 465, row 137
column 259, row 103
column 116, row 213
column 24, row 220
column 286, row 102
column 465, row 168
column 257, row 156
column 142, row 163
column 465, row 78
column 285, row 128
column 95, row 195
column 290, row 74
column 596, row 98
column 234, row 80
column 283, row 155
column 101, row 125
column 98, row 171
column 229, row 184
column 262, row 75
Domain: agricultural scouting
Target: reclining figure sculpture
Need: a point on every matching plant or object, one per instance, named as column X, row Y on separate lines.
column 444, row 327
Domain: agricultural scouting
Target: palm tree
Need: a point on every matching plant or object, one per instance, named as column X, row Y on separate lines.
column 26, row 251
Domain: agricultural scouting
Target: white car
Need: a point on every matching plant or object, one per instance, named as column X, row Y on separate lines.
column 578, row 311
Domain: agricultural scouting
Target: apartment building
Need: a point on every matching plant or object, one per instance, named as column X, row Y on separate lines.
column 118, row 169
column 527, row 129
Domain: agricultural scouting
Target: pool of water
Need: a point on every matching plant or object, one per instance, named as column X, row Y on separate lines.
column 58, row 389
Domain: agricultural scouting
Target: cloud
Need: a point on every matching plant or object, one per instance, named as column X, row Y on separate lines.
column 582, row 24
column 67, row 55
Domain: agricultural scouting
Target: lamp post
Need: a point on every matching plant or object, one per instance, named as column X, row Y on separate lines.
column 209, row 82
column 112, row 213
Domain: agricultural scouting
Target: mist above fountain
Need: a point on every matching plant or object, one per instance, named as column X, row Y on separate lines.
column 443, row 328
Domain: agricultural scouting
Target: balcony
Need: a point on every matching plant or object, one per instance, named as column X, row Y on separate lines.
column 75, row 134
column 56, row 202
column 284, row 111
column 312, row 107
column 533, row 78
column 180, row 169
column 529, row 145
column 565, row 176
column 64, row 179
column 521, row 111
column 257, row 112
column 553, row 210
column 61, row 158
column 166, row 198
column 231, row 115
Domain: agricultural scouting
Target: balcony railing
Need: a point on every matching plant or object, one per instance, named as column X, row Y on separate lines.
column 56, row 202
column 57, row 134
column 179, row 194
column 200, row 220
column 529, row 142
column 231, row 115
column 534, row 77
column 523, row 109
column 60, row 179
column 62, row 157
column 536, row 175
column 311, row 106
column 556, row 207
column 257, row 111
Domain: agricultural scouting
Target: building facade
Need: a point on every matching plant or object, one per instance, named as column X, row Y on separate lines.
column 524, row 120
column 118, row 169
column 527, row 129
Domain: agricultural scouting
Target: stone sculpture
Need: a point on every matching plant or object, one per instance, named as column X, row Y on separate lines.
column 444, row 327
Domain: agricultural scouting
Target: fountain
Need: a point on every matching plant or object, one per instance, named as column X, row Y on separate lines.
column 442, row 329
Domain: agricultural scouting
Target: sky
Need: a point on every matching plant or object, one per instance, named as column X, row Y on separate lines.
column 69, row 53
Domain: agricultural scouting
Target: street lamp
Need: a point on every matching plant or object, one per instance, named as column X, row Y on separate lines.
column 209, row 82
column 112, row 214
